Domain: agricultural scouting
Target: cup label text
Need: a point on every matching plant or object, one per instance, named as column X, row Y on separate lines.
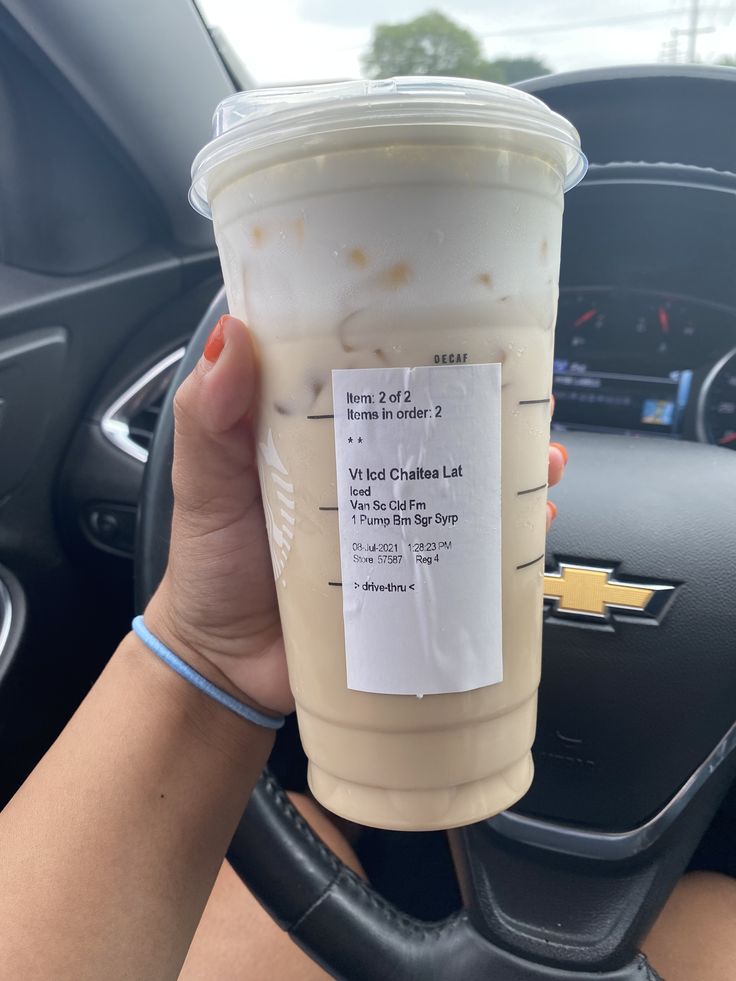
column 419, row 508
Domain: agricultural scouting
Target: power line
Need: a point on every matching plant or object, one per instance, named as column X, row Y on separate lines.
column 598, row 22
column 729, row 12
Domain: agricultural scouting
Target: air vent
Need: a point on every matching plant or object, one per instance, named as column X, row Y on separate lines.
column 129, row 423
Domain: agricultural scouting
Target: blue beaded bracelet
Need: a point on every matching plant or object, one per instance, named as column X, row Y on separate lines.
column 199, row 681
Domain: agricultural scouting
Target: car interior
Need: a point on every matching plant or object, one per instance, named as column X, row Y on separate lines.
column 109, row 285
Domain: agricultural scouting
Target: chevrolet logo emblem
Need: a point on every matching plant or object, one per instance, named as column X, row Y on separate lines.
column 590, row 593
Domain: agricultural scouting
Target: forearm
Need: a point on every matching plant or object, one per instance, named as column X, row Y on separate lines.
column 110, row 848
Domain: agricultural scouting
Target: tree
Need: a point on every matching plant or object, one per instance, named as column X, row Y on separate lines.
column 728, row 60
column 432, row 44
column 428, row 45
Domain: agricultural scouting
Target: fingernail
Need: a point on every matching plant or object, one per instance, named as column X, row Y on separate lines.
column 552, row 508
column 215, row 342
column 561, row 448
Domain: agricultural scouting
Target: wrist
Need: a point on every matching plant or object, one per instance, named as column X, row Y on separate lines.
column 161, row 620
column 164, row 624
column 190, row 712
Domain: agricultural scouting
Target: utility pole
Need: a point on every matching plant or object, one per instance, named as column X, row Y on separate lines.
column 692, row 30
column 670, row 49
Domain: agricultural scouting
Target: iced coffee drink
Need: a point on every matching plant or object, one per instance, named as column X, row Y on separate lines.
column 395, row 249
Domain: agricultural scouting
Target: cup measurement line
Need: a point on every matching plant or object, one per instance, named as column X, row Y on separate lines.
column 328, row 415
column 335, row 584
column 328, row 509
column 525, row 565
column 534, row 401
column 532, row 490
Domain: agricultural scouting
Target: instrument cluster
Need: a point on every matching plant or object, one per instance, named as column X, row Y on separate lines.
column 641, row 362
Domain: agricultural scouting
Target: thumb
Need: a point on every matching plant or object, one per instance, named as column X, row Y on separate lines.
column 214, row 472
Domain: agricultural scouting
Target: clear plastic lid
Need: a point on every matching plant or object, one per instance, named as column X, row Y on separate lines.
column 266, row 119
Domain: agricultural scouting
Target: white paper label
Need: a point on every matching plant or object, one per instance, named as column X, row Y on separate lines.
column 419, row 508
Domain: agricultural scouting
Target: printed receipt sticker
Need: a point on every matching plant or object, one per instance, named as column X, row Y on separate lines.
column 419, row 508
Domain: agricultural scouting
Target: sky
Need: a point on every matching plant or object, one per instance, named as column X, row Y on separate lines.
column 312, row 40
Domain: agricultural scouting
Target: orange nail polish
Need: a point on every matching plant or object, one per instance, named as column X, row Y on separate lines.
column 215, row 342
column 552, row 509
column 561, row 448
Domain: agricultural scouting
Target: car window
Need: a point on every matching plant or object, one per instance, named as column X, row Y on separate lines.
column 290, row 41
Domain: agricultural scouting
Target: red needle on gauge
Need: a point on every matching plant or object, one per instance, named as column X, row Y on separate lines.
column 664, row 320
column 728, row 438
column 585, row 317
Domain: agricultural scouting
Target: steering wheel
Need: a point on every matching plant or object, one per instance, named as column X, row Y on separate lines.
column 636, row 723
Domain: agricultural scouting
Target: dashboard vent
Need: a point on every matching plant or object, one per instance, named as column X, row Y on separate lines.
column 129, row 423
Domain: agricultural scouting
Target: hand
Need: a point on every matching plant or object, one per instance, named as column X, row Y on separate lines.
column 216, row 606
column 217, row 600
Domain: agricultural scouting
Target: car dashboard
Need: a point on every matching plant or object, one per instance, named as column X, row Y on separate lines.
column 645, row 363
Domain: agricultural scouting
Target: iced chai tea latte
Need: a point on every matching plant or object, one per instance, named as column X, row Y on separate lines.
column 394, row 246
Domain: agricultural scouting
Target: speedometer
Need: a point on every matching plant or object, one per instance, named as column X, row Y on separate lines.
column 717, row 405
column 582, row 321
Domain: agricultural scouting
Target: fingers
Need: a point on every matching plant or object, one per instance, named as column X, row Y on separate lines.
column 220, row 391
column 557, row 463
column 555, row 473
column 213, row 443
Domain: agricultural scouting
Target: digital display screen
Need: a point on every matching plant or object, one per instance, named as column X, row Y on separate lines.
column 612, row 401
column 658, row 412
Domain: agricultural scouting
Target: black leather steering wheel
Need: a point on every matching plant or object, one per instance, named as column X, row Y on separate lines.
column 636, row 724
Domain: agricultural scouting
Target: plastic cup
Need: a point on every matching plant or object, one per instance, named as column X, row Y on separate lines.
column 410, row 226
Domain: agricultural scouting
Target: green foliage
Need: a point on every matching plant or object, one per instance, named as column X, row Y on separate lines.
column 432, row 44
column 428, row 45
column 728, row 60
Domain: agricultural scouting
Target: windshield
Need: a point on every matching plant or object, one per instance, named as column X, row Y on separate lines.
column 288, row 41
